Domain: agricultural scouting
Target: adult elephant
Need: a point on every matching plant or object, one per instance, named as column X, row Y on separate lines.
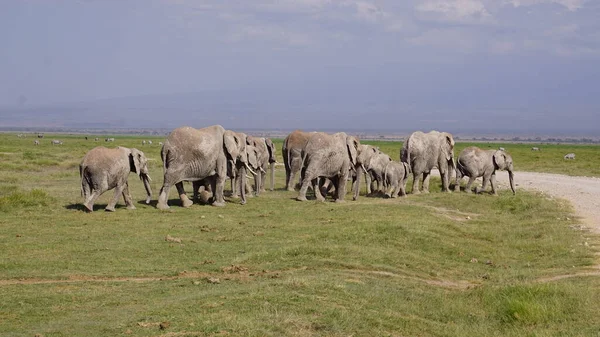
column 103, row 169
column 265, row 155
column 331, row 157
column 372, row 162
column 190, row 154
column 474, row 162
column 291, row 151
column 425, row 151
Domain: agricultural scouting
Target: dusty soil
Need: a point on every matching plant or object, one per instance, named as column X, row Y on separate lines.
column 582, row 192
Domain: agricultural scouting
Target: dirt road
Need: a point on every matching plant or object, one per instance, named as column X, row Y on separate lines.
column 582, row 192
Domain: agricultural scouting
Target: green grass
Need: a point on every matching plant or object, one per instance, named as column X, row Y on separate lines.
column 426, row 265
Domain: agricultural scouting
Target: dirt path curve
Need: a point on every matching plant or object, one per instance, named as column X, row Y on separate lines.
column 582, row 192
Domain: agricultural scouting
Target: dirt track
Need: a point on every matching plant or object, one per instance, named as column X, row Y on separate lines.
column 582, row 192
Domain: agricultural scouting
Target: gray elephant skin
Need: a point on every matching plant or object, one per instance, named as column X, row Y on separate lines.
column 265, row 155
column 191, row 154
column 425, row 151
column 103, row 169
column 474, row 162
column 371, row 162
column 291, row 150
column 331, row 157
column 395, row 177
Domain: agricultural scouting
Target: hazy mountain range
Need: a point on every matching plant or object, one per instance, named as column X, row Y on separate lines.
column 315, row 107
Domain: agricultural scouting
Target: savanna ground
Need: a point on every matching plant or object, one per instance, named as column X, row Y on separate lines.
column 425, row 265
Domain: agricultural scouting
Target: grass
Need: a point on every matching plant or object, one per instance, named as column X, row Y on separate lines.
column 427, row 265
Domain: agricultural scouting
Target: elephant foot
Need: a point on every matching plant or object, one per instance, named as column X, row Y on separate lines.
column 337, row 201
column 416, row 192
column 387, row 196
column 218, row 204
column 148, row 201
column 187, row 203
column 426, row 191
column 109, row 209
column 89, row 208
column 236, row 196
column 301, row 198
column 290, row 189
column 131, row 207
column 162, row 206
column 243, row 202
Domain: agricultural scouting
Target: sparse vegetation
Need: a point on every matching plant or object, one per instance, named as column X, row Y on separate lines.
column 426, row 265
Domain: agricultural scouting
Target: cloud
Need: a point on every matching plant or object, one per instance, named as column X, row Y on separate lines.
column 447, row 39
column 571, row 5
column 456, row 10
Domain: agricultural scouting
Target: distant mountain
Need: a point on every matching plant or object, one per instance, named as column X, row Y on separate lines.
column 312, row 107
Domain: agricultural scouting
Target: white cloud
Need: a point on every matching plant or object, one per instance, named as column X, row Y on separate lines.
column 571, row 5
column 456, row 10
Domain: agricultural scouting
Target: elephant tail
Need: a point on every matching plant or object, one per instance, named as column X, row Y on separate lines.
column 385, row 175
column 164, row 155
column 82, row 180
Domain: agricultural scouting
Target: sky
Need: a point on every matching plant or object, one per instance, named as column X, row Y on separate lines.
column 494, row 64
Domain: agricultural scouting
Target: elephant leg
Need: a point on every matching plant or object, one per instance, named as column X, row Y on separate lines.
column 91, row 199
column 402, row 188
column 113, row 202
column 219, row 199
column 290, row 180
column 493, row 183
column 185, row 201
column 369, row 183
column 341, row 186
column 127, row 197
column 458, row 179
column 164, row 191
column 469, row 183
column 416, row 179
column 426, row 176
column 483, row 184
column 389, row 191
column 445, row 180
column 317, row 189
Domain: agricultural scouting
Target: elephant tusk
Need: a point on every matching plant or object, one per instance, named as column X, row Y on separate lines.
column 262, row 170
column 249, row 169
column 363, row 167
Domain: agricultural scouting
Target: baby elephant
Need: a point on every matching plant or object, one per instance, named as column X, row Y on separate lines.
column 474, row 162
column 395, row 176
column 103, row 169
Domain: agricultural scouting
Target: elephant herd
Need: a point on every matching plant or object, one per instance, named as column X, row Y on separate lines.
column 209, row 156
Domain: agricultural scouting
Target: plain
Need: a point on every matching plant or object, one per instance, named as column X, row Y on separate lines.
column 427, row 265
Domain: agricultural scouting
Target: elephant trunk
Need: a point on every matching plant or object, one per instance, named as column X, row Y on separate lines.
column 146, row 179
column 512, row 181
column 257, row 183
column 242, row 183
column 272, row 177
column 356, row 185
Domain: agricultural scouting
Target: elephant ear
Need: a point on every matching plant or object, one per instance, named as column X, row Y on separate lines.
column 352, row 144
column 448, row 146
column 232, row 144
column 271, row 148
column 499, row 158
column 252, row 156
column 135, row 161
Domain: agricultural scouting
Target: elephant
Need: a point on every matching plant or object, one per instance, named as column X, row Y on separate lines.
column 103, row 169
column 328, row 156
column 395, row 177
column 570, row 156
column 265, row 155
column 252, row 154
column 535, row 148
column 36, row 142
column 56, row 142
column 291, row 151
column 425, row 151
column 372, row 162
column 190, row 154
column 474, row 162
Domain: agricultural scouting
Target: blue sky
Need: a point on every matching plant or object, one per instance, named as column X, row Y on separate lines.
column 538, row 60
